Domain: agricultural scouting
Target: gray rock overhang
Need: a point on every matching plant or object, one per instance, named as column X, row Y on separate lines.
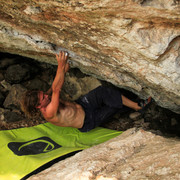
column 133, row 45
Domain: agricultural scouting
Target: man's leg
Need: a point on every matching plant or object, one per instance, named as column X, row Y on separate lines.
column 131, row 104
column 111, row 97
column 104, row 115
column 102, row 103
column 103, row 96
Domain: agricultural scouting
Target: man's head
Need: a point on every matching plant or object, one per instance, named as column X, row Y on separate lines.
column 29, row 103
column 34, row 100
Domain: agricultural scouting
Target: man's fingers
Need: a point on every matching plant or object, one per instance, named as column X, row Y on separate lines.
column 57, row 57
column 63, row 55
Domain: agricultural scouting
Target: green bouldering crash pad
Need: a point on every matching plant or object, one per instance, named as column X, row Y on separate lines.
column 24, row 150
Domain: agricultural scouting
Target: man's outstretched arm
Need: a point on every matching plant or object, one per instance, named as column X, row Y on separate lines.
column 51, row 110
column 56, row 81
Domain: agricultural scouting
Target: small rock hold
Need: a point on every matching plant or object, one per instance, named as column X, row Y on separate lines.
column 134, row 116
column 32, row 10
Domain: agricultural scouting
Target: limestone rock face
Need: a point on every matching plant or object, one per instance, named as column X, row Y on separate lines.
column 133, row 155
column 134, row 44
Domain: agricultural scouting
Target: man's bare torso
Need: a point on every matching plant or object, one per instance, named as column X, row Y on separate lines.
column 70, row 115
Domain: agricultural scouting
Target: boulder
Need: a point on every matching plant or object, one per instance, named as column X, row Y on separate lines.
column 37, row 84
column 133, row 155
column 16, row 74
column 13, row 116
column 12, row 100
column 5, row 62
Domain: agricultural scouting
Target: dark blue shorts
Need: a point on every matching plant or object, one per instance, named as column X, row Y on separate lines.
column 99, row 105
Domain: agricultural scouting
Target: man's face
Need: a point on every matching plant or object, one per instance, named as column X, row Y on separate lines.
column 43, row 99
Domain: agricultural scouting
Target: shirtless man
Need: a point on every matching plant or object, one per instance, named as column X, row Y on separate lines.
column 86, row 113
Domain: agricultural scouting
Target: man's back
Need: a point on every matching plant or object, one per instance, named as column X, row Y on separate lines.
column 70, row 114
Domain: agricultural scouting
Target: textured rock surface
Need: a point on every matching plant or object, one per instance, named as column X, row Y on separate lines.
column 132, row 155
column 134, row 44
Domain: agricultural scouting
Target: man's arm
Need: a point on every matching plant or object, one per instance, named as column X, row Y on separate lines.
column 51, row 110
column 63, row 67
